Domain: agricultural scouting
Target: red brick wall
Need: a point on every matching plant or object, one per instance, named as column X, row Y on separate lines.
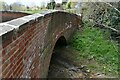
column 9, row 15
column 26, row 43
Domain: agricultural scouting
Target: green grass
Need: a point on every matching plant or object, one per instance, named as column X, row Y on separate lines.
column 39, row 11
column 71, row 10
column 35, row 11
column 94, row 43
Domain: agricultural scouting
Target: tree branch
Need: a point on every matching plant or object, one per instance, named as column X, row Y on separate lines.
column 112, row 7
column 107, row 27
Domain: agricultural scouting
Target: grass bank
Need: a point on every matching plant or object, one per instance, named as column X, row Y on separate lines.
column 96, row 46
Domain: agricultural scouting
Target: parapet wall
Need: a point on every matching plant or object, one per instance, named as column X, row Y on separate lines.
column 9, row 15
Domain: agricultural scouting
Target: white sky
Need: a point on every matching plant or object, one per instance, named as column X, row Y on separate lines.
column 44, row 2
column 30, row 2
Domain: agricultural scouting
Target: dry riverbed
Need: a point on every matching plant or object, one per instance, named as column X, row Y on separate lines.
column 64, row 64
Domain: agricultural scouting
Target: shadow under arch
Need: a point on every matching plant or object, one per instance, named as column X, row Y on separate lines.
column 60, row 43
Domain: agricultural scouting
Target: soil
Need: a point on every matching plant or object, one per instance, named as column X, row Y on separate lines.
column 64, row 65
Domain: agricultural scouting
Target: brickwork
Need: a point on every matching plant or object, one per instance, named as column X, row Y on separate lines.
column 26, row 43
column 9, row 15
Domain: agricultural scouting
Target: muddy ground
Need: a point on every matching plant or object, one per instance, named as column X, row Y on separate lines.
column 64, row 66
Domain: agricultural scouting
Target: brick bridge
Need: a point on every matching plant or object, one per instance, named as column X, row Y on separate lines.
column 27, row 41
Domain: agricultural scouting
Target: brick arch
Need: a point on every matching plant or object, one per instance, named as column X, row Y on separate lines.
column 26, row 43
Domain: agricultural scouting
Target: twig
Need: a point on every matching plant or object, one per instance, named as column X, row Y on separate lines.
column 112, row 7
column 107, row 27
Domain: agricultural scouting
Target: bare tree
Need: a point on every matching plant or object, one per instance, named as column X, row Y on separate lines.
column 4, row 5
column 104, row 15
